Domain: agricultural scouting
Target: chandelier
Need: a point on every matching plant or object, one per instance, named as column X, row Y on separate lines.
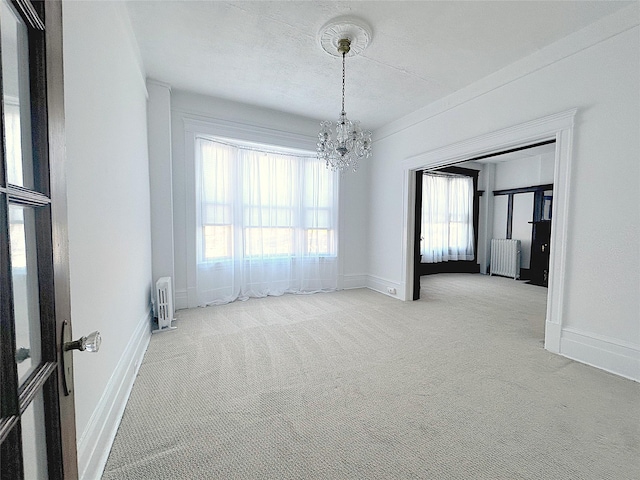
column 350, row 143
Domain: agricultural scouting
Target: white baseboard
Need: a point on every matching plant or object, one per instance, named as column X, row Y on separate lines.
column 95, row 444
column 613, row 355
column 182, row 301
column 354, row 281
column 383, row 285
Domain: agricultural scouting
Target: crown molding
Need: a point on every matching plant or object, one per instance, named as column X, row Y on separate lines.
column 600, row 31
column 158, row 83
column 200, row 124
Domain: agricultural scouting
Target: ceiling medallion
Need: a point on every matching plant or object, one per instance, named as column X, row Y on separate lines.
column 351, row 28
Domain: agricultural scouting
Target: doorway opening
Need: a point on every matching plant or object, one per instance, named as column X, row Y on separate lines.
column 557, row 128
column 505, row 195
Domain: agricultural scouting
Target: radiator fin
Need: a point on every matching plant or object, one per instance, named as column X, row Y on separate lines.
column 505, row 258
column 164, row 303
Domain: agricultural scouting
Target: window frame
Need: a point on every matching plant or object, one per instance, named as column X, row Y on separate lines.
column 458, row 266
column 298, row 210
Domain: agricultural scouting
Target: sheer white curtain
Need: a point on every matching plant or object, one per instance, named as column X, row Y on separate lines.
column 266, row 223
column 447, row 218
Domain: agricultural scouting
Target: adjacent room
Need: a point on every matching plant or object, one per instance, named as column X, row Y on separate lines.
column 328, row 239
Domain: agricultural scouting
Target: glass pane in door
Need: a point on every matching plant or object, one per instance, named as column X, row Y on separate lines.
column 16, row 96
column 34, row 442
column 24, row 275
column 547, row 200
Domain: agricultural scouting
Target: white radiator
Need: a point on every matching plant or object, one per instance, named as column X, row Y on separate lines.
column 164, row 304
column 505, row 258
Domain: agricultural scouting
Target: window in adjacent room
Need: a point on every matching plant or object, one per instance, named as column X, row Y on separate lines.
column 447, row 218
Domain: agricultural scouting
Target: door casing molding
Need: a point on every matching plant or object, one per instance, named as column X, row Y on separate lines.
column 558, row 127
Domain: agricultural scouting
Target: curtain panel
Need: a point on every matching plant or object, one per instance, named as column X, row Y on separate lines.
column 447, row 218
column 266, row 223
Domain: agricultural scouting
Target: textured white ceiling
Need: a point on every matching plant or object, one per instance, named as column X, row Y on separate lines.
column 266, row 53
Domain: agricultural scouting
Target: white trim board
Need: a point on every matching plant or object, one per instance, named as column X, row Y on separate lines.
column 610, row 354
column 356, row 280
column 199, row 124
column 95, row 443
column 558, row 127
column 382, row 285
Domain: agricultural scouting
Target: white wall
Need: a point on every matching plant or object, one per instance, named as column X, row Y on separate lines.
column 108, row 197
column 260, row 125
column 524, row 172
column 601, row 78
column 500, row 216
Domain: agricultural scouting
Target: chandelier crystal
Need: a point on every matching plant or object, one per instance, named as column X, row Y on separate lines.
column 350, row 143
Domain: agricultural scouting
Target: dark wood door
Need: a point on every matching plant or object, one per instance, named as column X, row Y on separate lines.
column 540, row 251
column 37, row 422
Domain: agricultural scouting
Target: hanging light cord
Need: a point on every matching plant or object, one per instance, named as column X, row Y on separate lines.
column 343, row 56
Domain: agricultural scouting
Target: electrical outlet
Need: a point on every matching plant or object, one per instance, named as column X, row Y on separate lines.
column 391, row 290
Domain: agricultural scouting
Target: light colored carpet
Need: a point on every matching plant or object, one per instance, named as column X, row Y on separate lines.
column 357, row 385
